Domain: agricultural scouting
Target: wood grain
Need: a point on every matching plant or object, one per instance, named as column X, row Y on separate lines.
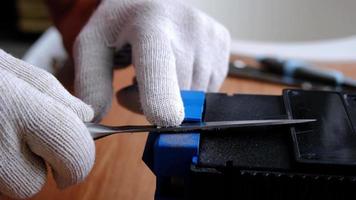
column 119, row 172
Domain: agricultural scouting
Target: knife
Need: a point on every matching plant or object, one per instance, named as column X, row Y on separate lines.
column 98, row 131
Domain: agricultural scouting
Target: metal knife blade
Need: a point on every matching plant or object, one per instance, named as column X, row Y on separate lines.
column 98, row 131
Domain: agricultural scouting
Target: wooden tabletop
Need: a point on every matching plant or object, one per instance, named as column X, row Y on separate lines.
column 119, row 172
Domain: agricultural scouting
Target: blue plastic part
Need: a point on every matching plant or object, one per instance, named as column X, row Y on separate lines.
column 292, row 65
column 171, row 155
column 195, row 160
column 193, row 105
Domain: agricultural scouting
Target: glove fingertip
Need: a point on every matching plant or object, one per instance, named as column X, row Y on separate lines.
column 166, row 113
column 85, row 112
column 100, row 108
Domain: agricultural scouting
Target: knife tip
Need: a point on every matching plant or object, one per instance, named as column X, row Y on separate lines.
column 304, row 120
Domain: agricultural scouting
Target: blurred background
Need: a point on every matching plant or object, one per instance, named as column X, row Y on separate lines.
column 322, row 30
column 21, row 23
column 284, row 20
column 317, row 30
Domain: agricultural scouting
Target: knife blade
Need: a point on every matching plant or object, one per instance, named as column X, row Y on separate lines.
column 98, row 131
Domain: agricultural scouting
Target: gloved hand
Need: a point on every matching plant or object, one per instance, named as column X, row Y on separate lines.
column 173, row 45
column 40, row 121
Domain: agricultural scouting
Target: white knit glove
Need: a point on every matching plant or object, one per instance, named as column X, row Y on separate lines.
column 40, row 122
column 173, row 45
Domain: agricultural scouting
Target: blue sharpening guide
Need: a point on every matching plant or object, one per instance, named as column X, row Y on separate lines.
column 193, row 105
column 171, row 155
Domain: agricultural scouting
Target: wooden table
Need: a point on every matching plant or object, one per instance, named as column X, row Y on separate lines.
column 119, row 172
